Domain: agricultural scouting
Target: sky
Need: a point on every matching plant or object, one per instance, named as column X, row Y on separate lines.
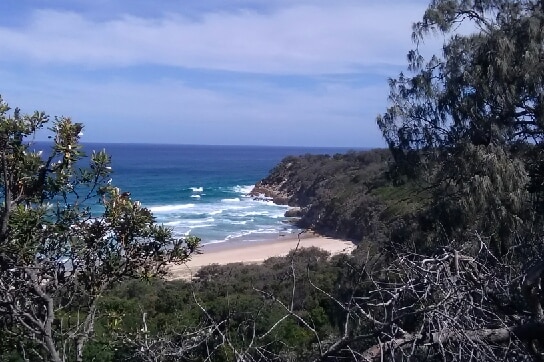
column 237, row 72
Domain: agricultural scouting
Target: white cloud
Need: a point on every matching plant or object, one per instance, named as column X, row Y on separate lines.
column 331, row 37
column 168, row 111
column 107, row 70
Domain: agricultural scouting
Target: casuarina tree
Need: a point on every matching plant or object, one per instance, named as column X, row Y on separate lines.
column 469, row 121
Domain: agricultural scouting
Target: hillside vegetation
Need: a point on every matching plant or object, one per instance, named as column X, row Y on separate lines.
column 449, row 223
column 415, row 268
column 349, row 195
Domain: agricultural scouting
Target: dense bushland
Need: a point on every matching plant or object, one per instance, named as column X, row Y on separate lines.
column 349, row 195
column 449, row 223
column 287, row 308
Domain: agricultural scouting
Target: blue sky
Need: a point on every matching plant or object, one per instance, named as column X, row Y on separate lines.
column 284, row 72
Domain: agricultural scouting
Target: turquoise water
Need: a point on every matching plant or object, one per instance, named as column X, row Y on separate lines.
column 202, row 190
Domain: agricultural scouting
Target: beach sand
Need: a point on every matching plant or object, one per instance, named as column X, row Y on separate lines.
column 255, row 252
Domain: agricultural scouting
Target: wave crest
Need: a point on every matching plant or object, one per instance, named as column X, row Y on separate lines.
column 236, row 199
column 243, row 189
column 170, row 208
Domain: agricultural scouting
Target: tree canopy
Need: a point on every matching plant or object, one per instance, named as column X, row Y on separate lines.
column 485, row 87
column 469, row 121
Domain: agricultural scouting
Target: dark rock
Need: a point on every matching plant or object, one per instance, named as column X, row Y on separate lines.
column 269, row 191
column 293, row 212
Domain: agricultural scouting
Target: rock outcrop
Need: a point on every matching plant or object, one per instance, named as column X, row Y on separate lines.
column 294, row 212
column 332, row 194
column 277, row 186
column 270, row 192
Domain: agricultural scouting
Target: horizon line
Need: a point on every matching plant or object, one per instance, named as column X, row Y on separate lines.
column 219, row 145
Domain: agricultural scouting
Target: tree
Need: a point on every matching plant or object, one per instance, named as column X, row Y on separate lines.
column 471, row 120
column 468, row 126
column 58, row 254
column 487, row 86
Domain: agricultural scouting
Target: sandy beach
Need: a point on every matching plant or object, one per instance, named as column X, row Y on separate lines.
column 255, row 252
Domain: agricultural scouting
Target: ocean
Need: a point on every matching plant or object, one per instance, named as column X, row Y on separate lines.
column 203, row 190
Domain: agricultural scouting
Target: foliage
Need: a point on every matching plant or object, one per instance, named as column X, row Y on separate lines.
column 467, row 127
column 278, row 310
column 470, row 121
column 458, row 213
column 58, row 255
column 350, row 195
column 449, row 222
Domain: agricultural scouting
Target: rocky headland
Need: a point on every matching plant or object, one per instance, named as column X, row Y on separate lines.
column 332, row 194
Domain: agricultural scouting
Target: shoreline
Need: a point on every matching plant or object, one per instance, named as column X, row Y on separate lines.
column 255, row 252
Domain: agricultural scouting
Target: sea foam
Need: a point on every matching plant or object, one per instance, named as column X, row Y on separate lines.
column 227, row 213
column 243, row 189
column 235, row 199
column 170, row 208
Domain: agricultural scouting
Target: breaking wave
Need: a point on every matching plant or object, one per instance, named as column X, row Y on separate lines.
column 227, row 213
column 170, row 208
